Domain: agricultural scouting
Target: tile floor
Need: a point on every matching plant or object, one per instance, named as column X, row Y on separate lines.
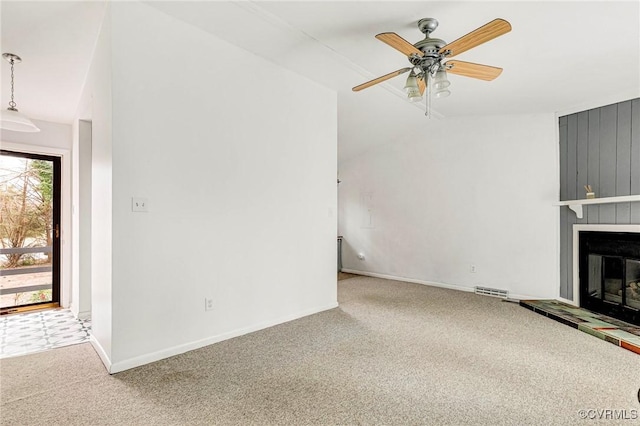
column 31, row 332
column 601, row 326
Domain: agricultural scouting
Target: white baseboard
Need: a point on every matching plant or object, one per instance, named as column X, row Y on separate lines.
column 567, row 301
column 434, row 284
column 101, row 353
column 408, row 280
column 526, row 297
column 176, row 350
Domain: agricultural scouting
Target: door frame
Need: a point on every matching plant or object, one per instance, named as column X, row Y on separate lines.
column 56, row 227
column 66, row 291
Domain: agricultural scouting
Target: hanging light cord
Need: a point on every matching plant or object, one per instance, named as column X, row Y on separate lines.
column 12, row 104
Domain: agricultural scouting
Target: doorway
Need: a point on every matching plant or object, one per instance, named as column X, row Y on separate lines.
column 30, row 187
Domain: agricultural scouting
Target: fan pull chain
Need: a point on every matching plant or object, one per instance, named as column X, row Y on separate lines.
column 12, row 104
column 427, row 113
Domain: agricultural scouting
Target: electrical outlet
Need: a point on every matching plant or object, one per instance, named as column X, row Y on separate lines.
column 208, row 304
column 139, row 204
column 472, row 269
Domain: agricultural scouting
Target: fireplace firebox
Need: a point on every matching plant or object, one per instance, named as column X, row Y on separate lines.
column 609, row 271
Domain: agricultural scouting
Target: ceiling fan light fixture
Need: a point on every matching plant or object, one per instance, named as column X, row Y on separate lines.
column 440, row 81
column 412, row 89
column 11, row 118
column 443, row 93
column 414, row 95
column 427, row 60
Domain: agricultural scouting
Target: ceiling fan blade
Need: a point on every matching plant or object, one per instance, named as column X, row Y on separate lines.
column 422, row 85
column 469, row 69
column 380, row 79
column 487, row 32
column 400, row 44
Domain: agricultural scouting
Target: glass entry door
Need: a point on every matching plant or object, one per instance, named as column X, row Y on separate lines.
column 29, row 231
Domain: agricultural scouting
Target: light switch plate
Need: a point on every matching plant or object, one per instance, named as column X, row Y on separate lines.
column 208, row 304
column 139, row 204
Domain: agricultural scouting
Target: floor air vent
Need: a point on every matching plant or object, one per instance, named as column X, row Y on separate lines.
column 494, row 292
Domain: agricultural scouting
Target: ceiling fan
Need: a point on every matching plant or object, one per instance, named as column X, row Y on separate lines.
column 428, row 56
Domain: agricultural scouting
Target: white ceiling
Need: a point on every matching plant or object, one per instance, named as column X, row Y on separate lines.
column 560, row 56
column 55, row 41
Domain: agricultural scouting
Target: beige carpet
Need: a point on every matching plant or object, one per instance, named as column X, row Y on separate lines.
column 346, row 276
column 393, row 353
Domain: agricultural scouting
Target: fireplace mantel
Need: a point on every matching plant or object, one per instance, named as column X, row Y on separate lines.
column 576, row 205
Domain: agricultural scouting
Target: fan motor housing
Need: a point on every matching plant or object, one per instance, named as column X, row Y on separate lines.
column 430, row 46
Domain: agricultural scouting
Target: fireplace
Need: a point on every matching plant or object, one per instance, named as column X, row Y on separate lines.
column 609, row 273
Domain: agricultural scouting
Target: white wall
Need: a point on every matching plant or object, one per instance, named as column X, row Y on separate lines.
column 53, row 139
column 237, row 158
column 455, row 193
column 83, row 212
column 95, row 105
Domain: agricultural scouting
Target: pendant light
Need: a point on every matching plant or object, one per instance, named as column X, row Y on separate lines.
column 11, row 119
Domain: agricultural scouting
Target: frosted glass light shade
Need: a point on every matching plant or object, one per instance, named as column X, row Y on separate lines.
column 443, row 93
column 441, row 81
column 414, row 95
column 13, row 120
column 412, row 89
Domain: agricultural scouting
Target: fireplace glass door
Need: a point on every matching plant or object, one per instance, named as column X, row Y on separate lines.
column 606, row 277
column 595, row 276
column 609, row 274
column 612, row 268
column 632, row 282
